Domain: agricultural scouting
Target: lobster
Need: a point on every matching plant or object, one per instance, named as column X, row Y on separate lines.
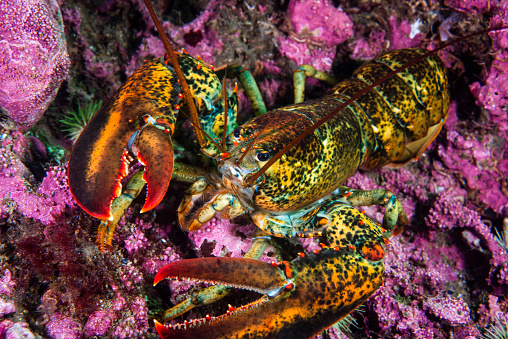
column 388, row 113
column 391, row 125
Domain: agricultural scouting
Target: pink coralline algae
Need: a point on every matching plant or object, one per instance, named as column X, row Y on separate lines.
column 494, row 94
column 6, row 307
column 33, row 57
column 401, row 34
column 479, row 160
column 448, row 213
column 223, row 237
column 62, row 327
column 136, row 323
column 320, row 22
column 317, row 27
column 454, row 311
column 98, row 323
column 47, row 203
column 206, row 45
column 19, row 331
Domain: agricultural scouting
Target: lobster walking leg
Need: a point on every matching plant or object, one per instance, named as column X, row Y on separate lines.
column 394, row 218
column 314, row 219
column 135, row 185
column 303, row 71
column 250, row 87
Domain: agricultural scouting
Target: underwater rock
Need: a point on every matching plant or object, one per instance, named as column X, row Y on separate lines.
column 33, row 58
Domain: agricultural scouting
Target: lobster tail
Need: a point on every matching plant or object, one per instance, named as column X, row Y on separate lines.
column 406, row 112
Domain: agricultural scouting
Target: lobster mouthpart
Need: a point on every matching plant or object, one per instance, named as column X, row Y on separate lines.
column 141, row 111
column 301, row 298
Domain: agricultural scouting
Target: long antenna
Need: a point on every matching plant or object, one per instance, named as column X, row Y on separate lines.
column 185, row 88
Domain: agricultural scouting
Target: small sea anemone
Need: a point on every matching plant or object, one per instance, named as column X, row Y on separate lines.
column 74, row 121
column 497, row 331
column 344, row 325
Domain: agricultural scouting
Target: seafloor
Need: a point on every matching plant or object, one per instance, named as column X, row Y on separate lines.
column 446, row 274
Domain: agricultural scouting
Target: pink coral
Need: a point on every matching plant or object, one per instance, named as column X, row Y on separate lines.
column 33, row 57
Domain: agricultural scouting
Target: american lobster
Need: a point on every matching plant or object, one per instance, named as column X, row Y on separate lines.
column 283, row 169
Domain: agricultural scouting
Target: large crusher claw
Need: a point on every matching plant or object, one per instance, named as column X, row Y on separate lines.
column 137, row 121
column 300, row 298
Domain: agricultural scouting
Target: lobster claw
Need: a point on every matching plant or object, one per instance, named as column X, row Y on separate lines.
column 300, row 298
column 154, row 150
column 140, row 117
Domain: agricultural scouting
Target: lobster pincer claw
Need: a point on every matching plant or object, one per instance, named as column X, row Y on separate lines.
column 140, row 116
column 300, row 298
column 155, row 151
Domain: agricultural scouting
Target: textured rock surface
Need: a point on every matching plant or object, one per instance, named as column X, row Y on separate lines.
column 33, row 58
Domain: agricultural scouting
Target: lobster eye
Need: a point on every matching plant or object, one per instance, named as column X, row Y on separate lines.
column 262, row 156
column 237, row 132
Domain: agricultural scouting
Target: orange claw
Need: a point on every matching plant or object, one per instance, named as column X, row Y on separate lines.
column 155, row 151
column 98, row 162
column 302, row 298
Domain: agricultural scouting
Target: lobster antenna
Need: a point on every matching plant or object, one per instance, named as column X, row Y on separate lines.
column 225, row 94
column 252, row 179
column 204, row 133
column 185, row 88
column 260, row 134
